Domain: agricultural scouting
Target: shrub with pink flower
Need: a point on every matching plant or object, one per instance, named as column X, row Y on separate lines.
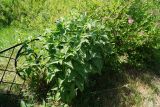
column 130, row 20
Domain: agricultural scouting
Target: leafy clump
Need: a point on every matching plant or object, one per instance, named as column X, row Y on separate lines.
column 58, row 65
column 61, row 61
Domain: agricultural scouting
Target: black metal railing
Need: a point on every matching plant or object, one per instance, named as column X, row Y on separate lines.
column 10, row 82
column 8, row 66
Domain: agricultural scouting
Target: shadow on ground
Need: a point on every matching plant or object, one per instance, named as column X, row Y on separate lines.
column 106, row 91
column 9, row 101
column 128, row 88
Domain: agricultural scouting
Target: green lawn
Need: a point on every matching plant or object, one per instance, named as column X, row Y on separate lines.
column 7, row 37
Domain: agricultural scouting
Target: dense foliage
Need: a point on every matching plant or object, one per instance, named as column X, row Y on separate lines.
column 66, row 56
column 6, row 15
column 115, row 33
column 94, row 37
column 35, row 14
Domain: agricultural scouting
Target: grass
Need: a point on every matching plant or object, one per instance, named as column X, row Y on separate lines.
column 7, row 37
column 36, row 20
column 132, row 88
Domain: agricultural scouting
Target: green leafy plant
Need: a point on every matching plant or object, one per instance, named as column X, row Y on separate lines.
column 61, row 62
column 58, row 65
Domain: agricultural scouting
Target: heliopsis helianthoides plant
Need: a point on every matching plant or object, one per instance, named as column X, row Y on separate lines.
column 106, row 36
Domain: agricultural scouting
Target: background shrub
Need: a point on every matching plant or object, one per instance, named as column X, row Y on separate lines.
column 6, row 15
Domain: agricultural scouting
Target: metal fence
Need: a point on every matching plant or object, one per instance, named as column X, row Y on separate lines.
column 10, row 82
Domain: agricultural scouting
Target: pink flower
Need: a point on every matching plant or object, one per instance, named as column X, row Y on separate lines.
column 130, row 20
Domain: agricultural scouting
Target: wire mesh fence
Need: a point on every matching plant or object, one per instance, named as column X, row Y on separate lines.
column 10, row 58
column 10, row 82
